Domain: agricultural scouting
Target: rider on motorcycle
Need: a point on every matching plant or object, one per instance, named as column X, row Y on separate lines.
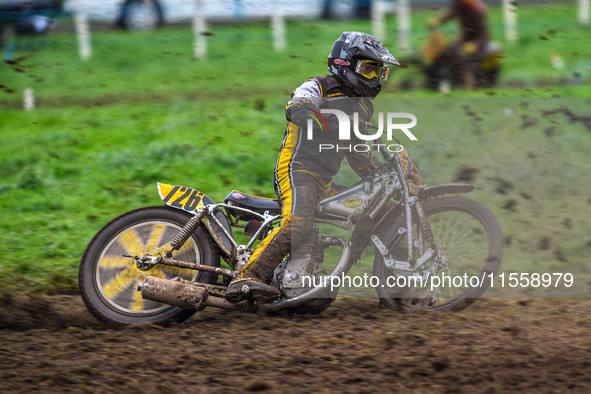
column 357, row 63
column 465, row 52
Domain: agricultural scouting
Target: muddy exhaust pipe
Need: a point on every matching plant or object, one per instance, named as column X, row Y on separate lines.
column 179, row 292
column 175, row 291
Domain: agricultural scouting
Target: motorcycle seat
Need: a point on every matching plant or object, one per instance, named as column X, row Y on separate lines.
column 255, row 203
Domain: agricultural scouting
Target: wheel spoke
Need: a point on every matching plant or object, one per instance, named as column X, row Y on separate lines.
column 130, row 240
column 155, row 236
column 121, row 281
column 115, row 262
column 460, row 241
column 137, row 302
column 187, row 246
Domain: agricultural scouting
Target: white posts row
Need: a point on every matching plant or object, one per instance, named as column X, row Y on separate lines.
column 200, row 28
column 378, row 12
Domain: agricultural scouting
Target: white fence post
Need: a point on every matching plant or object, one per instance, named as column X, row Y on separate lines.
column 378, row 19
column 82, row 32
column 199, row 28
column 584, row 12
column 510, row 17
column 278, row 26
column 29, row 99
column 404, row 25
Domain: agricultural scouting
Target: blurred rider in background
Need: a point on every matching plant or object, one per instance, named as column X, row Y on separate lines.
column 464, row 53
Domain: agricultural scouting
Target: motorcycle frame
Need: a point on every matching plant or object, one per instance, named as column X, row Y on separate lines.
column 394, row 182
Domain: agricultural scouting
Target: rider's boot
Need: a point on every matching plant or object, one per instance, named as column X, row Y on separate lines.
column 252, row 282
column 244, row 288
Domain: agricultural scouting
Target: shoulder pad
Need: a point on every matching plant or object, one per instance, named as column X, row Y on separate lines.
column 327, row 84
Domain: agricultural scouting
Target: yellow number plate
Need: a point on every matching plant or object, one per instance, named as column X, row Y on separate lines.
column 181, row 197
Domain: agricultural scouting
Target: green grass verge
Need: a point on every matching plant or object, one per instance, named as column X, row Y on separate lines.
column 65, row 174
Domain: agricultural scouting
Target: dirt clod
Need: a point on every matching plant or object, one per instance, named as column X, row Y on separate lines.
column 466, row 174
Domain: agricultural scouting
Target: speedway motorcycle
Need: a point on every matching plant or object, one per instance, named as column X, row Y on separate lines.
column 161, row 264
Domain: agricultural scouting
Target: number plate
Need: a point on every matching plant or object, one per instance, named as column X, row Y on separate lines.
column 182, row 197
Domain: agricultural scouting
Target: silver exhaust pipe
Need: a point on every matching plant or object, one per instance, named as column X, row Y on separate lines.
column 343, row 266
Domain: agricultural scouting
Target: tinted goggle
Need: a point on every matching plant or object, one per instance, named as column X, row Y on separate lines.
column 371, row 69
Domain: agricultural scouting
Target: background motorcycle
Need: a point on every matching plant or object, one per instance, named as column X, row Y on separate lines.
column 441, row 72
column 161, row 264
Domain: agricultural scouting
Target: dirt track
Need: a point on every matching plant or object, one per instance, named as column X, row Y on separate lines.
column 54, row 345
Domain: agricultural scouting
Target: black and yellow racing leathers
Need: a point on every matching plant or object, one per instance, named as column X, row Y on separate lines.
column 309, row 158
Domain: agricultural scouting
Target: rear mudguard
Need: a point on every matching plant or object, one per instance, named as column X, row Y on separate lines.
column 191, row 200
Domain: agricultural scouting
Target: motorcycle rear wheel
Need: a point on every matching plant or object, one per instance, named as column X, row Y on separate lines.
column 108, row 281
column 471, row 242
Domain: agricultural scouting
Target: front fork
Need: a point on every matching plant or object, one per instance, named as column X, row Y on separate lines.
column 424, row 228
column 424, row 232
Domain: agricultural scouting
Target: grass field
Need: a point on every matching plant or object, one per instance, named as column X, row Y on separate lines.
column 156, row 66
column 143, row 110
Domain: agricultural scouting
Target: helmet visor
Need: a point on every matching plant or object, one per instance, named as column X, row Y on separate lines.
column 371, row 69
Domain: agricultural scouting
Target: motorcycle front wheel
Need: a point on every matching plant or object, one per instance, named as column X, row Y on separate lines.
column 108, row 280
column 470, row 244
